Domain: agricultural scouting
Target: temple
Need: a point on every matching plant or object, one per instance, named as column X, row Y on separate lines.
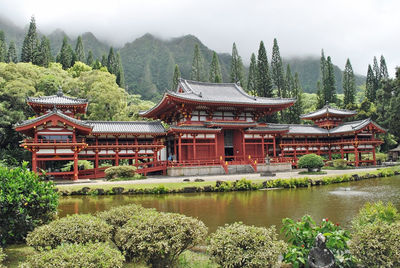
column 213, row 129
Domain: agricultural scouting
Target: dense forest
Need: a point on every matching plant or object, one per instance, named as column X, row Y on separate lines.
column 119, row 83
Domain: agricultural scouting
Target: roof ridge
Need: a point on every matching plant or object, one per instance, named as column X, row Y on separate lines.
column 206, row 83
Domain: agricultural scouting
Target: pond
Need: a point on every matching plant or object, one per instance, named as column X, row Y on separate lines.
column 338, row 202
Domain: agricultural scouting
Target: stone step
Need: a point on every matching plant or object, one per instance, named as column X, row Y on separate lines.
column 240, row 169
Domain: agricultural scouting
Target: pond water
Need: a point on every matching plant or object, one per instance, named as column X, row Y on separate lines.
column 338, row 202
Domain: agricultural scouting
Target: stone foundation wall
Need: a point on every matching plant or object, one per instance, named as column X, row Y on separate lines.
column 274, row 167
column 195, row 171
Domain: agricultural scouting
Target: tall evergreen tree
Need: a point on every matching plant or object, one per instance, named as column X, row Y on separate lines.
column 104, row 60
column 79, row 51
column 349, row 86
column 120, row 72
column 3, row 47
column 29, row 46
column 329, row 86
column 320, row 95
column 175, row 78
column 12, row 53
column 383, row 71
column 197, row 72
column 237, row 69
column 44, row 56
column 370, row 89
column 377, row 73
column 90, row 59
column 297, row 109
column 286, row 115
column 66, row 55
column 264, row 81
column 97, row 65
column 322, row 67
column 277, row 70
column 252, row 78
column 112, row 62
column 215, row 70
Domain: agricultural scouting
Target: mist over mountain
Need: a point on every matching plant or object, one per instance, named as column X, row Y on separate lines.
column 149, row 61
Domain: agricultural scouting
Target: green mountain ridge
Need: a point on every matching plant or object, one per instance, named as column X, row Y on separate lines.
column 149, row 61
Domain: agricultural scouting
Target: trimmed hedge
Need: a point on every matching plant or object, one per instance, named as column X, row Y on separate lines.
column 371, row 213
column 310, row 161
column 120, row 172
column 239, row 245
column 159, row 238
column 26, row 201
column 91, row 255
column 71, row 229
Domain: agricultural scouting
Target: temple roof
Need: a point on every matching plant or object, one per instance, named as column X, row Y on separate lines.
column 221, row 92
column 327, row 110
column 118, row 127
column 59, row 98
column 354, row 126
column 397, row 149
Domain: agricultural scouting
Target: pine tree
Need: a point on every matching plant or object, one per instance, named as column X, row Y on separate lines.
column 112, row 62
column 215, row 70
column 3, row 47
column 320, row 95
column 349, row 86
column 377, row 73
column 370, row 89
column 79, row 51
column 29, row 46
column 252, row 78
column 322, row 67
column 175, row 78
column 329, row 88
column 12, row 53
column 297, row 109
column 66, row 55
column 104, row 60
column 120, row 72
column 197, row 72
column 286, row 115
column 44, row 56
column 237, row 69
column 90, row 60
column 277, row 70
column 264, row 81
column 383, row 71
column 97, row 65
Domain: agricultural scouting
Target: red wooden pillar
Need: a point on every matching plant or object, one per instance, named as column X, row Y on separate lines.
column 76, row 164
column 216, row 145
column 34, row 161
column 136, row 151
column 116, row 151
column 356, row 155
column 194, row 147
column 243, row 146
column 96, row 159
column 274, row 145
column 262, row 147
column 373, row 154
column 341, row 151
column 180, row 147
column 330, row 152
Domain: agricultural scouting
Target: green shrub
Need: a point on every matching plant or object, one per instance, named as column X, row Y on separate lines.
column 120, row 172
column 71, row 229
column 90, row 255
column 119, row 216
column 159, row 239
column 223, row 186
column 310, row 161
column 133, row 178
column 375, row 212
column 26, row 201
column 82, row 164
column 2, row 257
column 377, row 245
column 340, row 163
column 243, row 185
column 239, row 245
column 301, row 236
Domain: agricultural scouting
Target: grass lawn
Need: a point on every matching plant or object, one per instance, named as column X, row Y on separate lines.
column 312, row 172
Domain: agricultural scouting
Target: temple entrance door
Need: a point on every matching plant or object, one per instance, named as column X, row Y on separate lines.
column 228, row 145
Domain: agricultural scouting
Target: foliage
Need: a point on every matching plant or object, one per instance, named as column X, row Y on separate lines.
column 175, row 78
column 264, row 80
column 252, row 77
column 120, row 172
column 243, row 185
column 239, row 245
column 71, row 229
column 340, row 163
column 133, row 178
column 82, row 164
column 159, row 238
column 90, row 255
column 237, row 68
column 190, row 259
column 310, row 161
column 301, row 235
column 78, row 68
column 215, row 70
column 375, row 212
column 349, row 86
column 26, row 201
column 30, row 44
column 377, row 245
column 2, row 257
column 277, row 70
column 198, row 73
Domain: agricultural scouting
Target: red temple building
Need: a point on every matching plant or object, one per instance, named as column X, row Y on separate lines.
column 214, row 129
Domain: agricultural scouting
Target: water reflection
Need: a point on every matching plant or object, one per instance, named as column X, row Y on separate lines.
column 338, row 202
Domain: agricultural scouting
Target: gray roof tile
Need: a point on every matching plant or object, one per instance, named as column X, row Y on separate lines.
column 59, row 98
column 141, row 127
column 328, row 110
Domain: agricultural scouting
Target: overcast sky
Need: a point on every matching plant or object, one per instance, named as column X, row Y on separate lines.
column 355, row 29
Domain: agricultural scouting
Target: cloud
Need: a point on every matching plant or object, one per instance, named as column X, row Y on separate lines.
column 357, row 29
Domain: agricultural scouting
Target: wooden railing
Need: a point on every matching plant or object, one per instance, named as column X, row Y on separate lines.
column 53, row 141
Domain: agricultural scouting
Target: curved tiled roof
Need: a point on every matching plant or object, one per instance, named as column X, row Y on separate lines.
column 59, row 98
column 328, row 110
column 117, row 127
column 57, row 112
column 353, row 126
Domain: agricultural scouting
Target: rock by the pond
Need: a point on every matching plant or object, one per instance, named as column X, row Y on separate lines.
column 100, row 191
column 218, row 183
column 320, row 256
column 189, row 189
column 85, row 190
column 198, row 180
column 117, row 190
column 186, row 180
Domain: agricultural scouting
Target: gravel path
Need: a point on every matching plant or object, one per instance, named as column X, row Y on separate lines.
column 229, row 177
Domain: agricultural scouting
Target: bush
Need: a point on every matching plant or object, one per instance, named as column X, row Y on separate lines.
column 159, row 238
column 119, row 216
column 2, row 257
column 301, row 235
column 377, row 245
column 340, row 163
column 91, row 255
column 243, row 185
column 239, row 245
column 120, row 172
column 26, row 201
column 82, row 164
column 374, row 212
column 311, row 161
column 71, row 229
